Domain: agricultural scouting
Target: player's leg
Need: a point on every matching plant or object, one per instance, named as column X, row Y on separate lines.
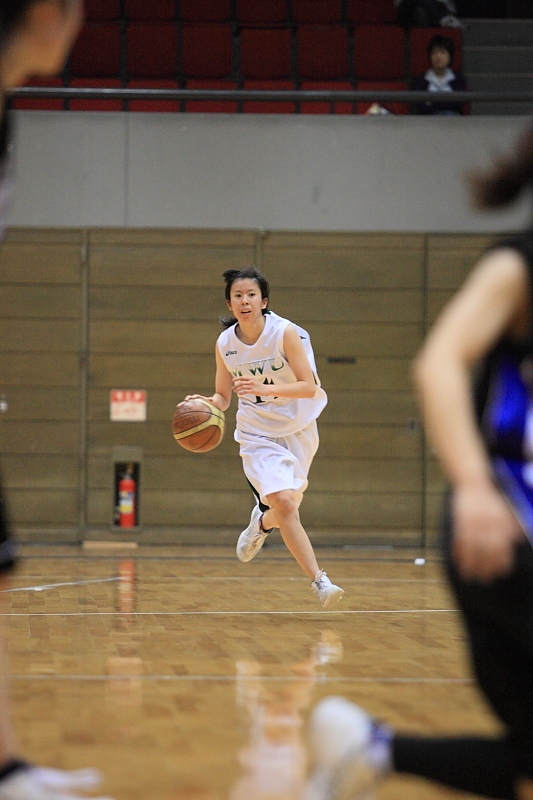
column 285, row 505
column 18, row 779
column 269, row 518
column 499, row 622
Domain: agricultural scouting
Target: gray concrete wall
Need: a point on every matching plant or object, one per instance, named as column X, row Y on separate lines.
column 319, row 173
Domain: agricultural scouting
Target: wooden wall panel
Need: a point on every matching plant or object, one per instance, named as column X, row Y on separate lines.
column 39, row 369
column 40, row 472
column 35, row 508
column 169, row 265
column 39, row 301
column 40, row 335
column 39, row 263
column 154, row 301
column 27, row 436
column 450, row 259
column 60, row 403
column 370, row 408
column 43, row 335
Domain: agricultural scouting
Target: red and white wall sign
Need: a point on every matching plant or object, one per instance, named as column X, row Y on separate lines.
column 128, row 405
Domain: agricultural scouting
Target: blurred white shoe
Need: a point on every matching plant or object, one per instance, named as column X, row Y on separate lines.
column 51, row 778
column 24, row 785
column 350, row 751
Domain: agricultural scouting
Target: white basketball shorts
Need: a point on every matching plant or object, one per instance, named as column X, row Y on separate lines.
column 272, row 465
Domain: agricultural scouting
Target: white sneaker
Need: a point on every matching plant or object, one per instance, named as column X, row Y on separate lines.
column 23, row 785
column 325, row 590
column 350, row 751
column 252, row 538
column 85, row 779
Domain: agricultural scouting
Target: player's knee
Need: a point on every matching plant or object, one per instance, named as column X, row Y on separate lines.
column 284, row 503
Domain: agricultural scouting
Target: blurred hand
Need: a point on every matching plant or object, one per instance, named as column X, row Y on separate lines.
column 485, row 532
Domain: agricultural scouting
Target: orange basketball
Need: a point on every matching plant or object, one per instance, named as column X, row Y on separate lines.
column 198, row 426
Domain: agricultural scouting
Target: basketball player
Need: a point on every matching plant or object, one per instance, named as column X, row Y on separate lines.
column 35, row 36
column 483, row 436
column 269, row 363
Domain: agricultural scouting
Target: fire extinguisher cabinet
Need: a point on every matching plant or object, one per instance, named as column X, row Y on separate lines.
column 127, row 462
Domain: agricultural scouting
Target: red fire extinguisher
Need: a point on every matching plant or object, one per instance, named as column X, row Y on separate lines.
column 127, row 490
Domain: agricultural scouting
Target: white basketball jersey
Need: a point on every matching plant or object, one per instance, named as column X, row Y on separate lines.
column 266, row 361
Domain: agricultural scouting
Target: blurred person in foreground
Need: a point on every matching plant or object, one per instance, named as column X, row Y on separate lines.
column 35, row 38
column 482, row 430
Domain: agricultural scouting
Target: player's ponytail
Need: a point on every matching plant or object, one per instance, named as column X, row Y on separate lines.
column 232, row 275
column 507, row 179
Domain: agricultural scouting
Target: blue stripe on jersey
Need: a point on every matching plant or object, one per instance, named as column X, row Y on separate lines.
column 508, row 404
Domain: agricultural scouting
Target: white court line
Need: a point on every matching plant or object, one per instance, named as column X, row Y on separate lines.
column 288, row 678
column 152, row 579
column 55, row 585
column 215, row 613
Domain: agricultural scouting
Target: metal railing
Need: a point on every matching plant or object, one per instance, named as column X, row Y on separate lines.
column 277, row 95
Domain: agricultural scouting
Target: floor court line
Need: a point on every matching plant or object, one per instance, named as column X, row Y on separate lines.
column 273, row 678
column 56, row 585
column 161, row 581
column 219, row 613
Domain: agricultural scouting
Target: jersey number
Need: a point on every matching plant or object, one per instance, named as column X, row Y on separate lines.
column 259, row 399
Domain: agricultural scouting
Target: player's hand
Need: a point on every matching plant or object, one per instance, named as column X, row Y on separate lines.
column 196, row 397
column 249, row 386
column 485, row 532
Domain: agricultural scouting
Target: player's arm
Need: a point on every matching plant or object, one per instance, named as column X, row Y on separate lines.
column 492, row 301
column 304, row 386
column 223, row 386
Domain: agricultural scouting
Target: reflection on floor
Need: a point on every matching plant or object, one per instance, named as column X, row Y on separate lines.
column 185, row 674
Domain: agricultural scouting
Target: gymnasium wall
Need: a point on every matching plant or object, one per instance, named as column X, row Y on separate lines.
column 273, row 172
column 86, row 311
column 110, row 278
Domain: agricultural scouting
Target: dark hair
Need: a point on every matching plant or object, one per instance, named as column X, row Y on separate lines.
column 251, row 273
column 11, row 13
column 507, row 178
column 444, row 42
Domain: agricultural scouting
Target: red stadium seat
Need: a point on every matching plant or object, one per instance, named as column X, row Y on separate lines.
column 152, row 50
column 40, row 104
column 322, row 52
column 370, row 12
column 205, row 10
column 211, row 106
column 153, row 105
column 317, row 12
column 320, row 107
column 207, row 51
column 257, row 12
column 265, row 53
column 150, row 10
column 102, row 10
column 79, row 104
column 96, row 53
column 268, row 106
column 385, row 86
column 418, row 42
column 379, row 52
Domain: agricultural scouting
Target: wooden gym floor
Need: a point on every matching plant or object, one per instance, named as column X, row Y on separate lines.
column 184, row 674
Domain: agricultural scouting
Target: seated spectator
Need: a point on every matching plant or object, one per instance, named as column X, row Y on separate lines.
column 427, row 14
column 440, row 78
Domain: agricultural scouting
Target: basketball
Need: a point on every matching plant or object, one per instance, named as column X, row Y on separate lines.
column 198, row 426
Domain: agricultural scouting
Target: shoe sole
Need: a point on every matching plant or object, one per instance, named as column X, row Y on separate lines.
column 333, row 598
column 241, row 556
